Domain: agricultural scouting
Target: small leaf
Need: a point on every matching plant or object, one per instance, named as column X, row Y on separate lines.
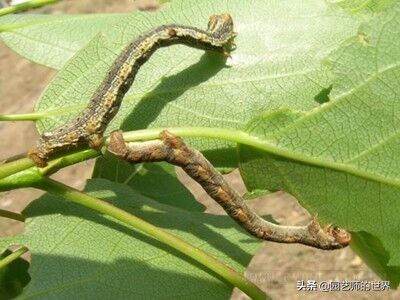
column 371, row 250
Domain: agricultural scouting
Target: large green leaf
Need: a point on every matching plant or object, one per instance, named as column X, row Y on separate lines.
column 280, row 45
column 79, row 253
column 341, row 160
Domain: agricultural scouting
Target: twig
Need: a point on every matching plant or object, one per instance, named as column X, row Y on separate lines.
column 173, row 150
column 13, row 256
column 24, row 6
column 11, row 215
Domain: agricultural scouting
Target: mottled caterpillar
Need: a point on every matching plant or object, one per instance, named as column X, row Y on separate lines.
column 173, row 150
column 89, row 126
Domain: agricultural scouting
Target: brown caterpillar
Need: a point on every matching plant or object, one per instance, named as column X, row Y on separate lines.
column 89, row 126
column 173, row 150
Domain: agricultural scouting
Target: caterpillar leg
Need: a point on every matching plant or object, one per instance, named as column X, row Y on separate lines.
column 38, row 158
column 96, row 141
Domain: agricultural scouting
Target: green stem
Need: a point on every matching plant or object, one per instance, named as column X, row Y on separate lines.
column 11, row 215
column 22, row 117
column 15, row 166
column 242, row 137
column 24, row 6
column 236, row 136
column 13, row 256
column 103, row 207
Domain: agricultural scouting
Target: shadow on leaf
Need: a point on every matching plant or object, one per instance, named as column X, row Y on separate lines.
column 170, row 88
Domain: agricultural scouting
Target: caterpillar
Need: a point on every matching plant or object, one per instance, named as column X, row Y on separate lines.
column 173, row 150
column 89, row 126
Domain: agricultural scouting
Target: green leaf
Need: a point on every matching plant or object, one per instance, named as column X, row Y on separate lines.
column 52, row 40
column 154, row 180
column 280, row 46
column 77, row 252
column 341, row 160
column 364, row 6
column 370, row 249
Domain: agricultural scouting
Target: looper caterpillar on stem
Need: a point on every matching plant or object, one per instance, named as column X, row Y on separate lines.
column 173, row 150
column 89, row 126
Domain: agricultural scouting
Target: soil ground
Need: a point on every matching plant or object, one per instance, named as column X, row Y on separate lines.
column 275, row 269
